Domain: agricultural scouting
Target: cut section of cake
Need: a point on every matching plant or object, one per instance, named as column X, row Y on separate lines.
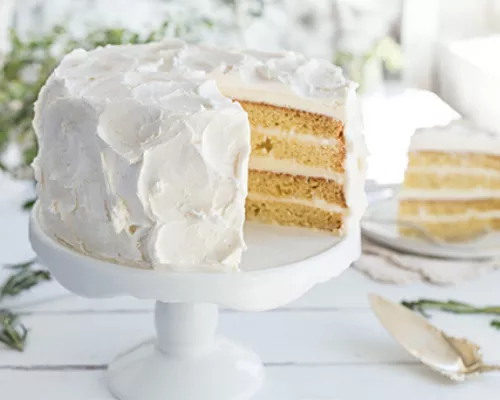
column 296, row 168
column 452, row 183
column 145, row 151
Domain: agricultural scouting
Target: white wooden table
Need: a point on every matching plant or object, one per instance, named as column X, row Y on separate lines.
column 326, row 346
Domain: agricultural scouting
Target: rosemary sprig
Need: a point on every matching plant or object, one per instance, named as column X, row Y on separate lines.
column 451, row 306
column 21, row 265
column 13, row 334
column 23, row 279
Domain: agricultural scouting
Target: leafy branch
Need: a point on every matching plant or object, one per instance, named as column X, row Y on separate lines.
column 13, row 333
column 451, row 306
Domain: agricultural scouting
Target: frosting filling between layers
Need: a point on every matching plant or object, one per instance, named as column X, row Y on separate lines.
column 300, row 137
column 447, row 194
column 450, row 218
column 446, row 170
column 287, row 166
column 316, row 203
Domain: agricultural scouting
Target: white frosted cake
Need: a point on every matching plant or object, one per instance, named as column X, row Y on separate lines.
column 155, row 155
column 452, row 183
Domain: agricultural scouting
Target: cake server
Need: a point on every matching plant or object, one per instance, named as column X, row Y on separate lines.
column 455, row 358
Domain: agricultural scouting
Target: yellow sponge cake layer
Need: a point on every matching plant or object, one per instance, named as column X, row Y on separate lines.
column 466, row 160
column 263, row 115
column 415, row 179
column 304, row 152
column 292, row 214
column 454, row 231
column 296, row 186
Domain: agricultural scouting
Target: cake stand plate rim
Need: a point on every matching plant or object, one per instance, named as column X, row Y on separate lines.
column 93, row 278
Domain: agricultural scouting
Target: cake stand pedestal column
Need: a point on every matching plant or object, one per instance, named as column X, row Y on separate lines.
column 187, row 361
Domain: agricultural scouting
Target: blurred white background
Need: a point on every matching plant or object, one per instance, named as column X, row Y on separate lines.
column 385, row 45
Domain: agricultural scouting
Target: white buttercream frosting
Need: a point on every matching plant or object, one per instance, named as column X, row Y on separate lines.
column 449, row 194
column 460, row 136
column 143, row 156
column 448, row 218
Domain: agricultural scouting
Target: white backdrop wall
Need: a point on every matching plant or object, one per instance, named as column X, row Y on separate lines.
column 315, row 27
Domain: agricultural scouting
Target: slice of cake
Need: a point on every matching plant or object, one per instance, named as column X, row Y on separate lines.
column 145, row 151
column 452, row 184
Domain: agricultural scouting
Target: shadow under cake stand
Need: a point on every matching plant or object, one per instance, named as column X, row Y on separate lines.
column 188, row 360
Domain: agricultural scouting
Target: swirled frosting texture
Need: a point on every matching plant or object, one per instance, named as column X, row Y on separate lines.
column 143, row 156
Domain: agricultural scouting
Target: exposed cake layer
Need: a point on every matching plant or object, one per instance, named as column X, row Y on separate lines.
column 313, row 202
column 298, row 136
column 424, row 208
column 262, row 115
column 293, row 214
column 444, row 159
column 454, row 231
column 308, row 154
column 292, row 167
column 296, row 186
column 448, row 219
column 456, row 181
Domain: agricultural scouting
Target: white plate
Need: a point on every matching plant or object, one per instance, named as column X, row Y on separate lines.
column 487, row 246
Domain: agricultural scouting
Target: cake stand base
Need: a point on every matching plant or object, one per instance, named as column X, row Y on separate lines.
column 187, row 361
column 229, row 372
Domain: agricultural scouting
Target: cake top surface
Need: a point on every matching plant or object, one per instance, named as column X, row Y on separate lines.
column 285, row 79
column 460, row 136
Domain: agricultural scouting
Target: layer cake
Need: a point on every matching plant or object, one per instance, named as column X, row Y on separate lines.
column 154, row 155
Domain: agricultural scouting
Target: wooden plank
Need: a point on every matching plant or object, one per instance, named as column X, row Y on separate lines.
column 286, row 337
column 347, row 291
column 411, row 382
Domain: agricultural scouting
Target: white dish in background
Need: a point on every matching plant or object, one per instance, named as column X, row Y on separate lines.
column 387, row 234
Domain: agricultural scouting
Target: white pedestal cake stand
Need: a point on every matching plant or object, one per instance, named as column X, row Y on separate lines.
column 187, row 360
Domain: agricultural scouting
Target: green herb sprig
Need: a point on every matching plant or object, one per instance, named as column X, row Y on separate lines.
column 495, row 324
column 451, row 306
column 13, row 334
column 24, row 278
